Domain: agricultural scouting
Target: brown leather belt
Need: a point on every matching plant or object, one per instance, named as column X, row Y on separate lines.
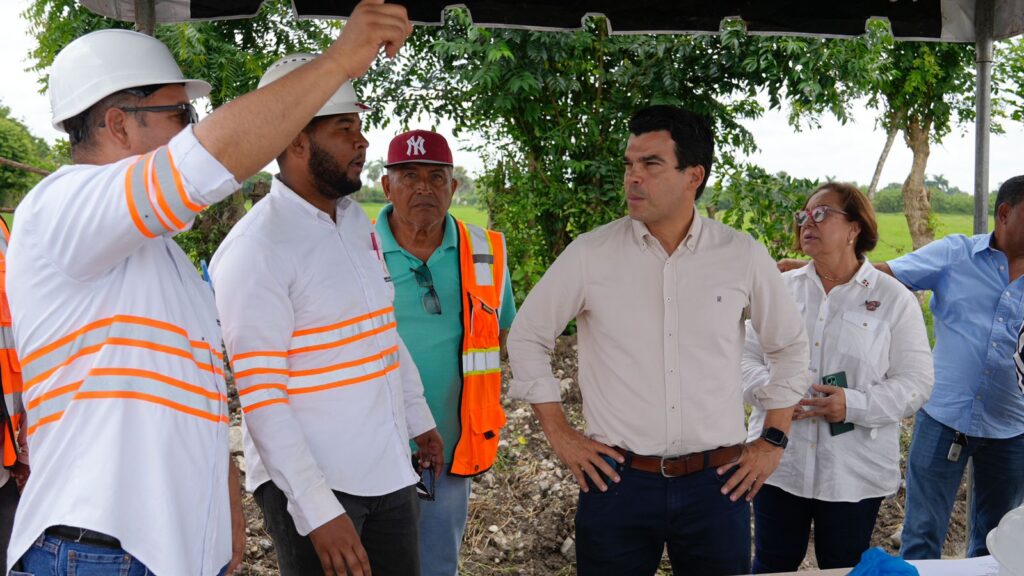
column 672, row 467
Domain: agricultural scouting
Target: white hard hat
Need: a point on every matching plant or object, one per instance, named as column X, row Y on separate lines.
column 341, row 102
column 108, row 61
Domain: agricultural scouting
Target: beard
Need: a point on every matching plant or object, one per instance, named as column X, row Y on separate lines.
column 330, row 177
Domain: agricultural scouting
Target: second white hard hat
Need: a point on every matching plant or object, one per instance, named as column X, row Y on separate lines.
column 343, row 101
column 107, row 61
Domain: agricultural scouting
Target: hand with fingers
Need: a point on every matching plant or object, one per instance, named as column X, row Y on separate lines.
column 787, row 264
column 339, row 548
column 583, row 457
column 831, row 407
column 755, row 464
column 372, row 26
column 431, row 451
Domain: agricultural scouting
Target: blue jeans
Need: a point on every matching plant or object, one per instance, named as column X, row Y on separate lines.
column 51, row 556
column 932, row 483
column 782, row 528
column 626, row 529
column 442, row 524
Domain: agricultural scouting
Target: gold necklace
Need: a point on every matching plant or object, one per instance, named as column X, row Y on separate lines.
column 830, row 277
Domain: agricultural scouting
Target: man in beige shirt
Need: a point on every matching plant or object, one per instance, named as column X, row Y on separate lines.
column 659, row 299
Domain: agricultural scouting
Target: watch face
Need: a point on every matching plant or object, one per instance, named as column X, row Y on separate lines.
column 774, row 436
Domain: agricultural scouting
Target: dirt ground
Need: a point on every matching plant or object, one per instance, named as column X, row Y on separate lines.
column 521, row 512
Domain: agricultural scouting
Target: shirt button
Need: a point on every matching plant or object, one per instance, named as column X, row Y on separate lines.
column 669, row 334
column 1002, row 268
column 821, row 319
column 671, row 370
column 814, row 369
column 994, row 345
column 978, row 397
column 813, row 444
column 669, row 299
column 814, row 420
column 816, row 344
column 1000, row 318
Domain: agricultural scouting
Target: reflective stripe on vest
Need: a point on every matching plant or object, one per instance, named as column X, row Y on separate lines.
column 10, row 368
column 482, row 268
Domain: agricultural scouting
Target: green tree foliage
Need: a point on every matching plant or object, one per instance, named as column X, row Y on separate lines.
column 554, row 107
column 762, row 204
column 230, row 54
column 18, row 144
column 923, row 90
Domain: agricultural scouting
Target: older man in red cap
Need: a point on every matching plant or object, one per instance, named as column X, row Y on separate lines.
column 454, row 305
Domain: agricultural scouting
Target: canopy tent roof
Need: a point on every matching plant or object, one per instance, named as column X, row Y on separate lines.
column 940, row 20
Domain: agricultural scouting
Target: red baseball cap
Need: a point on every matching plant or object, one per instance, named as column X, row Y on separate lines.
column 419, row 146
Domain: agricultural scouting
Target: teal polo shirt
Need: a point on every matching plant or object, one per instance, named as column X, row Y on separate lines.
column 435, row 340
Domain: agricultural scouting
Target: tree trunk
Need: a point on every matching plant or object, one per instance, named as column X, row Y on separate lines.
column 916, row 201
column 894, row 127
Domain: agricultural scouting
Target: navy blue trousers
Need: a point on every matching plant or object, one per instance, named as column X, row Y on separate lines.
column 782, row 528
column 626, row 529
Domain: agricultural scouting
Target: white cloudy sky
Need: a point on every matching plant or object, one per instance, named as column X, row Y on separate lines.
column 844, row 152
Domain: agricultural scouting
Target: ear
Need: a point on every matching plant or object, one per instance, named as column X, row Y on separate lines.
column 697, row 175
column 115, row 129
column 455, row 186
column 385, row 183
column 299, row 146
column 1002, row 213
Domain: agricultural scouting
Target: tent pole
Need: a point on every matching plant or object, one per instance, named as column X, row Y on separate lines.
column 984, row 12
column 145, row 16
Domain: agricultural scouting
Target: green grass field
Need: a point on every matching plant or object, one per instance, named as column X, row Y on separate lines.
column 468, row 214
column 894, row 236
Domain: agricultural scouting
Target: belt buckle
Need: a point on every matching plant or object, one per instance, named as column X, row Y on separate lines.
column 661, row 467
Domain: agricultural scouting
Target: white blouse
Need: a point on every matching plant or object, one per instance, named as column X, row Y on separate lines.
column 872, row 329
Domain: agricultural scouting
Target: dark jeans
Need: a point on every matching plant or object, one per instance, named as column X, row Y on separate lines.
column 782, row 527
column 932, row 483
column 625, row 530
column 9, row 497
column 386, row 526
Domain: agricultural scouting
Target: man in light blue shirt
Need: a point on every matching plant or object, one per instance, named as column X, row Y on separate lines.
column 976, row 409
column 423, row 247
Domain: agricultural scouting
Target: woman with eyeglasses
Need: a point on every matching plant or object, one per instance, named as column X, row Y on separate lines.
column 870, row 366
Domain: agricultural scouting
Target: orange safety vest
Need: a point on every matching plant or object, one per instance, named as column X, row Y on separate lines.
column 10, row 368
column 482, row 272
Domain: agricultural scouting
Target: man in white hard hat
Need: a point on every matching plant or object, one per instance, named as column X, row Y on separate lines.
column 117, row 334
column 330, row 395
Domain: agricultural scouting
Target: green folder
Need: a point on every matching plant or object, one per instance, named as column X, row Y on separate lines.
column 837, row 379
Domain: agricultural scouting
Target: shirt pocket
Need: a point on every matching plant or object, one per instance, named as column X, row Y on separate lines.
column 866, row 339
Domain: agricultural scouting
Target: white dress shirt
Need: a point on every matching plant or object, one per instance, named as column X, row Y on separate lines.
column 330, row 396
column 660, row 336
column 872, row 329
column 120, row 350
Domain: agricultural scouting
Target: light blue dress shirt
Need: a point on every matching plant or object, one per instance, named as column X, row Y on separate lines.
column 977, row 311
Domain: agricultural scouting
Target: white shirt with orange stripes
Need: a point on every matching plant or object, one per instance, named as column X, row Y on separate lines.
column 329, row 393
column 120, row 348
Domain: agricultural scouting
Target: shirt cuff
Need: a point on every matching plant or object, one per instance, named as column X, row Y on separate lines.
column 315, row 508
column 539, row 391
column 206, row 180
column 781, row 393
column 856, row 405
column 418, row 419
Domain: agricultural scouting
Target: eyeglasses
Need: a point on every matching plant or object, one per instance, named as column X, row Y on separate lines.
column 431, row 303
column 426, row 488
column 818, row 214
column 186, row 111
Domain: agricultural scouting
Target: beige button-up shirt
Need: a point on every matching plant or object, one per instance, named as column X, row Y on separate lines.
column 661, row 336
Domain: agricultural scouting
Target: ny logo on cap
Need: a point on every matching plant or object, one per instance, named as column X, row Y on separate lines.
column 414, row 146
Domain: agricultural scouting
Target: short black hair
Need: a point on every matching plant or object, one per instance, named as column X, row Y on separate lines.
column 1011, row 192
column 695, row 144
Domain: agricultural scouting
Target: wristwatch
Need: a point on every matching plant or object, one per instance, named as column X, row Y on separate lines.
column 775, row 437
